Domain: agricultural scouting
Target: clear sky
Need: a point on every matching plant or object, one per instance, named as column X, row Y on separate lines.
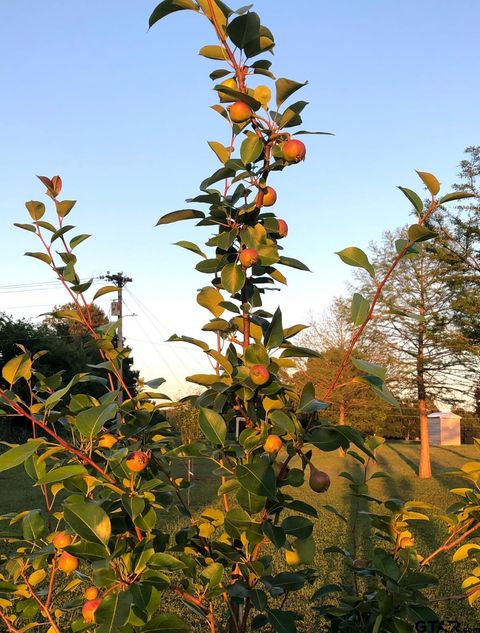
column 122, row 114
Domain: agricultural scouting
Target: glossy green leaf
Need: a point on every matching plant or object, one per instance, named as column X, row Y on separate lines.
column 284, row 421
column 293, row 263
column 297, row 526
column 213, row 426
column 282, row 621
column 64, row 207
column 26, row 227
column 33, row 525
column 91, row 421
column 414, row 199
column 190, row 246
column 239, row 96
column 170, row 6
column 354, row 256
column 274, row 334
column 420, row 233
column 370, row 368
column 256, row 354
column 258, row 478
column 327, row 439
column 166, row 623
column 78, row 239
column 183, row 214
column 43, row 257
column 360, row 308
column 213, row 52
column 456, row 195
column 189, row 339
column 18, row 454
column 36, row 209
column 244, row 29
column 285, row 88
column 221, row 152
column 251, row 149
column 113, row 611
column 89, row 521
column 61, row 473
column 233, row 278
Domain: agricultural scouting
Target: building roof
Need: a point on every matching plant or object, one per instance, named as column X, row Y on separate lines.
column 444, row 414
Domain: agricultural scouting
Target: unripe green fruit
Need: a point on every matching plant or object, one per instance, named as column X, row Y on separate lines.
column 319, row 481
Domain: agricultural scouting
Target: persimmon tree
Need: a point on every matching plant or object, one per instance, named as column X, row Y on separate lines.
column 102, row 552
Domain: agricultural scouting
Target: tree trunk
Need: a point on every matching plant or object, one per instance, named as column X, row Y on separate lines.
column 424, row 468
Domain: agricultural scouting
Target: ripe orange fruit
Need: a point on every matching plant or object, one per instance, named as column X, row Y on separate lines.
column 61, row 540
column 259, row 374
column 67, row 562
column 240, row 112
column 248, row 257
column 406, row 541
column 282, row 228
column 107, row 441
column 272, row 444
column 91, row 593
column 294, row 150
column 137, row 461
column 269, row 197
column 89, row 608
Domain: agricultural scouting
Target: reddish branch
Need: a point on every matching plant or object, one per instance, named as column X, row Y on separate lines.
column 45, row 610
column 86, row 322
column 448, row 546
column 356, row 336
column 10, row 627
column 82, row 456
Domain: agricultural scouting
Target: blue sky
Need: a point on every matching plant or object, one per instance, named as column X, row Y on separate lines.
column 122, row 114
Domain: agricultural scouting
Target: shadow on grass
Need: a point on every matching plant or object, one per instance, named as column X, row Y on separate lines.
column 413, row 465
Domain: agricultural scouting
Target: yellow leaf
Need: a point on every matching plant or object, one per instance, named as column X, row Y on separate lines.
column 472, row 597
column 206, row 530
column 5, row 603
column 470, row 581
column 463, row 551
column 37, row 577
column 430, row 182
column 56, row 489
column 72, row 585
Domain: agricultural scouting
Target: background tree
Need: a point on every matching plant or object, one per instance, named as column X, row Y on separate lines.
column 353, row 402
column 417, row 321
column 459, row 246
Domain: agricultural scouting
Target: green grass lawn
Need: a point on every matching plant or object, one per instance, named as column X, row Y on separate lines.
column 398, row 459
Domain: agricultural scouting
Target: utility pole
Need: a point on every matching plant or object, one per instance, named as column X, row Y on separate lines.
column 119, row 280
